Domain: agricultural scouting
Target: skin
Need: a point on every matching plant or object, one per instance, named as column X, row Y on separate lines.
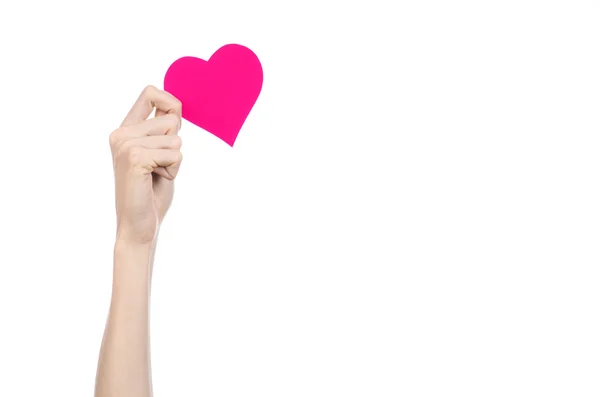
column 146, row 158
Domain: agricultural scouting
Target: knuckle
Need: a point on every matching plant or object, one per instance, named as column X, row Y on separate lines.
column 148, row 93
column 173, row 121
column 113, row 138
column 149, row 90
column 177, row 104
column 134, row 154
column 173, row 118
column 123, row 148
column 174, row 102
column 177, row 142
column 129, row 153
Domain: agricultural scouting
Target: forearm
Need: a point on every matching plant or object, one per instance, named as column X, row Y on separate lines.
column 124, row 362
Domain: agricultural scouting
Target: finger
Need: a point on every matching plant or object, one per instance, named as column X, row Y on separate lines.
column 161, row 111
column 163, row 125
column 169, row 159
column 162, row 171
column 150, row 98
column 155, row 142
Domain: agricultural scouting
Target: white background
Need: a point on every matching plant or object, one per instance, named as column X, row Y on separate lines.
column 411, row 209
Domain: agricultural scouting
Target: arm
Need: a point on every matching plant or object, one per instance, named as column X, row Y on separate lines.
column 124, row 362
column 146, row 159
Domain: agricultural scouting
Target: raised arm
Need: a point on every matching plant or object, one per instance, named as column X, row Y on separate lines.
column 146, row 158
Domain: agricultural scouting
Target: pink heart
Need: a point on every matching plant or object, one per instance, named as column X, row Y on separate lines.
column 217, row 94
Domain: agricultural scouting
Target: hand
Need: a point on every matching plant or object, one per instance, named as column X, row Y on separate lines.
column 146, row 158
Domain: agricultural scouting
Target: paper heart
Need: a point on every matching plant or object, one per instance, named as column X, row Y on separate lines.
column 217, row 94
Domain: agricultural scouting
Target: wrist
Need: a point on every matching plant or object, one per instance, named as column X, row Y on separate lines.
column 124, row 245
column 142, row 233
column 129, row 240
column 131, row 271
column 133, row 258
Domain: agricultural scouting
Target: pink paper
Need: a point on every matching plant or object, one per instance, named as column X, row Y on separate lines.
column 217, row 95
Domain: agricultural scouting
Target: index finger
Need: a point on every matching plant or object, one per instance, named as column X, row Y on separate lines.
column 150, row 98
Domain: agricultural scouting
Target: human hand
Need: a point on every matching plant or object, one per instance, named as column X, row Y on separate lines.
column 146, row 158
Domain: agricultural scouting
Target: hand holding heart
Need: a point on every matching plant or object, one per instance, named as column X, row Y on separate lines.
column 216, row 95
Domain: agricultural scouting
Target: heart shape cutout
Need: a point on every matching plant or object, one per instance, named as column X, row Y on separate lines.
column 217, row 95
